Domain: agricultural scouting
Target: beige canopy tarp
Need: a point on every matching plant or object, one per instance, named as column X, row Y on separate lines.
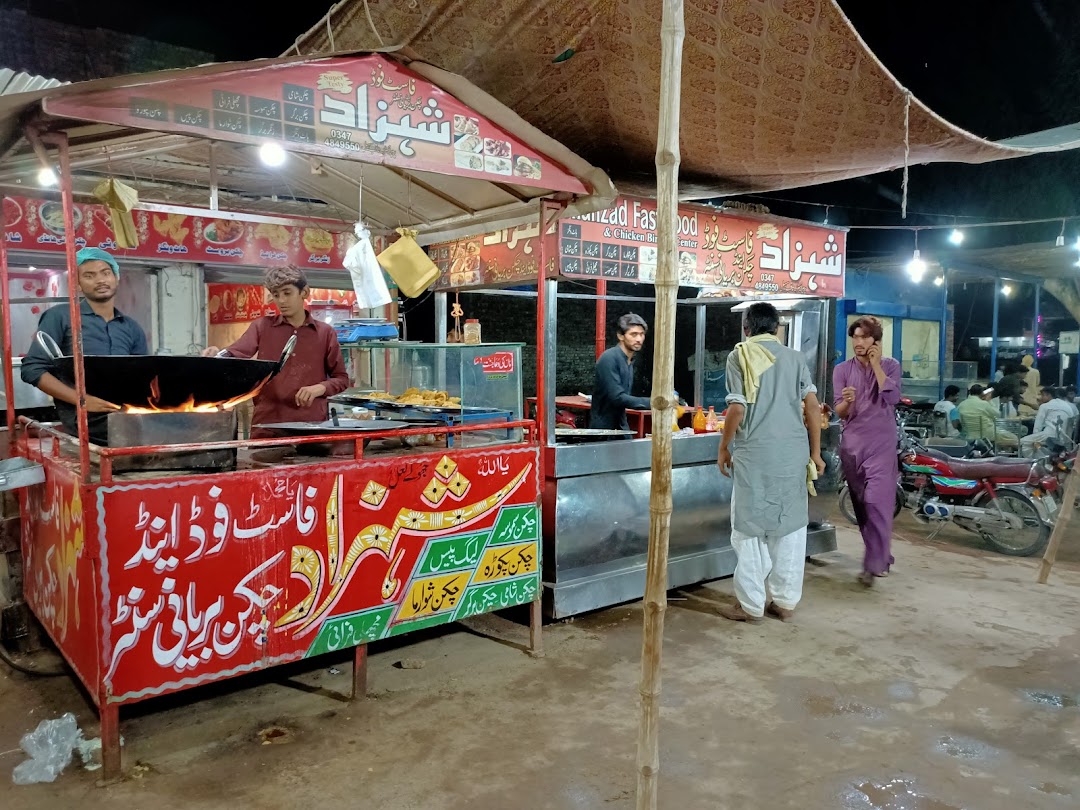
column 776, row 93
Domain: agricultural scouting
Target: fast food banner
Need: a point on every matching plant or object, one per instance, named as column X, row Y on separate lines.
column 231, row 303
column 39, row 225
column 725, row 254
column 363, row 108
column 207, row 577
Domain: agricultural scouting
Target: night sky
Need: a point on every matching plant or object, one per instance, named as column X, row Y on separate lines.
column 995, row 68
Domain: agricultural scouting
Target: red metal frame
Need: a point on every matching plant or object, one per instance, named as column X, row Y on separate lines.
column 5, row 313
column 601, row 317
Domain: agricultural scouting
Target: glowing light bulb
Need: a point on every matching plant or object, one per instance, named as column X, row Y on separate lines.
column 916, row 268
column 939, row 281
column 47, row 176
column 1006, row 290
column 272, row 155
column 956, row 237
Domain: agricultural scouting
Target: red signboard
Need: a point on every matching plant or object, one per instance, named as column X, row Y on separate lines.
column 207, row 577
column 502, row 257
column 229, row 303
column 497, row 363
column 363, row 108
column 60, row 554
column 39, row 225
column 719, row 252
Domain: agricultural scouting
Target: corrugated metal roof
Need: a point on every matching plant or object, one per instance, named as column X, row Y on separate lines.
column 12, row 82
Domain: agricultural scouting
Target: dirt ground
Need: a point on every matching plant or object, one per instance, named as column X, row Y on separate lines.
column 954, row 685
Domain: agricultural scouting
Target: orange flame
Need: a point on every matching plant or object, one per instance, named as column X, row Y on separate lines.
column 191, row 406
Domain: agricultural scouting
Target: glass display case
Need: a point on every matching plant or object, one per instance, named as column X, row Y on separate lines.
column 451, row 383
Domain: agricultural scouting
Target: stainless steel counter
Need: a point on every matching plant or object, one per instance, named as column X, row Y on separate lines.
column 596, row 520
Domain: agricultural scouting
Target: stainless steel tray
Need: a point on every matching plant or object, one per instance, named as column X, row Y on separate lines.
column 590, row 434
column 17, row 472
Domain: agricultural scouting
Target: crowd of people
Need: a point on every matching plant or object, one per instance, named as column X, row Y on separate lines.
column 989, row 411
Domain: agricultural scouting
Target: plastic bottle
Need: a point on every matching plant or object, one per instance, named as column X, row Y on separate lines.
column 699, row 420
column 712, row 421
column 472, row 331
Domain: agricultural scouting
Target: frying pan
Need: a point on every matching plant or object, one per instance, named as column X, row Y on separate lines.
column 127, row 379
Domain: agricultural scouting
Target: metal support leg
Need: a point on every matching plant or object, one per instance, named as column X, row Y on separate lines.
column 536, row 622
column 110, row 741
column 359, row 673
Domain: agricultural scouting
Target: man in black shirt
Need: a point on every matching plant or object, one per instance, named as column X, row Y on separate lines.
column 105, row 330
column 615, row 376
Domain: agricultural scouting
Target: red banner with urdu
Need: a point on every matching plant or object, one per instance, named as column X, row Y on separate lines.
column 724, row 254
column 362, row 108
column 39, row 225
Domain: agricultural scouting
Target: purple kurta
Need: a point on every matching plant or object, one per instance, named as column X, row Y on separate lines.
column 868, row 454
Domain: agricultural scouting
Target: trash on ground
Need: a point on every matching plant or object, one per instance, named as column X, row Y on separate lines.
column 334, row 671
column 90, row 753
column 50, row 746
column 411, row 663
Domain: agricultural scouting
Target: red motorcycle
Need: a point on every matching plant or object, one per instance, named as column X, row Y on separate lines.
column 1009, row 502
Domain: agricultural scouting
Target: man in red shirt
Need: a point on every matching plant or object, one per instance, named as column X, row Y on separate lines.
column 316, row 369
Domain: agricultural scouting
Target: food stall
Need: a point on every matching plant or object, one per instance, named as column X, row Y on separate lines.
column 596, row 494
column 177, row 556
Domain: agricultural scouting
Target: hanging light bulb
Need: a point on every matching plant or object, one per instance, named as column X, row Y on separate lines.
column 939, row 280
column 1060, row 241
column 1006, row 290
column 956, row 237
column 46, row 176
column 916, row 267
column 272, row 155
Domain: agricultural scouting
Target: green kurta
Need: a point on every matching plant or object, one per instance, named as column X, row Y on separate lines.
column 771, row 449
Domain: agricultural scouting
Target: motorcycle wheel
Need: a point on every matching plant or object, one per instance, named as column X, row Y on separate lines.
column 1016, row 542
column 847, row 508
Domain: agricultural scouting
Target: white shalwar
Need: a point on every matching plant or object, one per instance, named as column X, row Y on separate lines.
column 769, row 567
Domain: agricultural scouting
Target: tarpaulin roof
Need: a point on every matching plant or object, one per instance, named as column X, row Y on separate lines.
column 422, row 147
column 776, row 93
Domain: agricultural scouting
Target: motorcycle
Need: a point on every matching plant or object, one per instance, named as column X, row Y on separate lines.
column 1009, row 502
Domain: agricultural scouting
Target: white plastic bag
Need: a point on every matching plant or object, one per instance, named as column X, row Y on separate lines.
column 50, row 746
column 367, row 274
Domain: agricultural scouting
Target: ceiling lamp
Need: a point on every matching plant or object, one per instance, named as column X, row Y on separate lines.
column 1006, row 290
column 956, row 237
column 939, row 280
column 916, row 268
column 272, row 155
column 46, row 176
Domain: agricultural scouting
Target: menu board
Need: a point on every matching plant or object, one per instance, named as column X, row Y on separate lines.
column 39, row 225
column 232, row 303
column 502, row 257
column 362, row 108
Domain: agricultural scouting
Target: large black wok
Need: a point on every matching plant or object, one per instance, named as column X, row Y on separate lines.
column 130, row 379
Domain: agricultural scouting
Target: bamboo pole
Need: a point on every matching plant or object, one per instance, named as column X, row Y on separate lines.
column 663, row 404
column 1068, row 506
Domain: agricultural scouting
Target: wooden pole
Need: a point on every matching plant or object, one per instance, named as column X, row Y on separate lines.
column 663, row 404
column 1068, row 506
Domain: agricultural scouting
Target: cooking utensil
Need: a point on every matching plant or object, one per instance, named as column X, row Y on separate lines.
column 334, row 417
column 127, row 379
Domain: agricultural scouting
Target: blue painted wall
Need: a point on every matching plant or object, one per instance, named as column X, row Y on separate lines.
column 888, row 295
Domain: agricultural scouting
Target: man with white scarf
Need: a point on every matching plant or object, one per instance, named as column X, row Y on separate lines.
column 771, row 448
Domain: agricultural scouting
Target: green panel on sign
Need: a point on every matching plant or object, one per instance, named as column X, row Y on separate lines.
column 421, row 624
column 516, row 524
column 452, row 554
column 498, row 595
column 351, row 631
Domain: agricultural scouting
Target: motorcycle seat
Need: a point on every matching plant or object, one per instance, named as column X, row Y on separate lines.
column 999, row 468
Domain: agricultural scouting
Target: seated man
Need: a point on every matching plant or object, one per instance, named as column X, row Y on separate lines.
column 979, row 418
column 1053, row 421
column 947, row 423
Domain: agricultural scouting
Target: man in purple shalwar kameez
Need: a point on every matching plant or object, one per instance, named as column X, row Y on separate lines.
column 867, row 388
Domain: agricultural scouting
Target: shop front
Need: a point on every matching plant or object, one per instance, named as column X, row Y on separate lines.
column 596, row 493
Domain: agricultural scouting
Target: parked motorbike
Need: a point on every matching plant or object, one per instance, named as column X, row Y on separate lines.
column 1009, row 502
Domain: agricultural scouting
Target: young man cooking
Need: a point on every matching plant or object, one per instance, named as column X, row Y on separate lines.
column 771, row 434
column 615, row 376
column 314, row 372
column 105, row 330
